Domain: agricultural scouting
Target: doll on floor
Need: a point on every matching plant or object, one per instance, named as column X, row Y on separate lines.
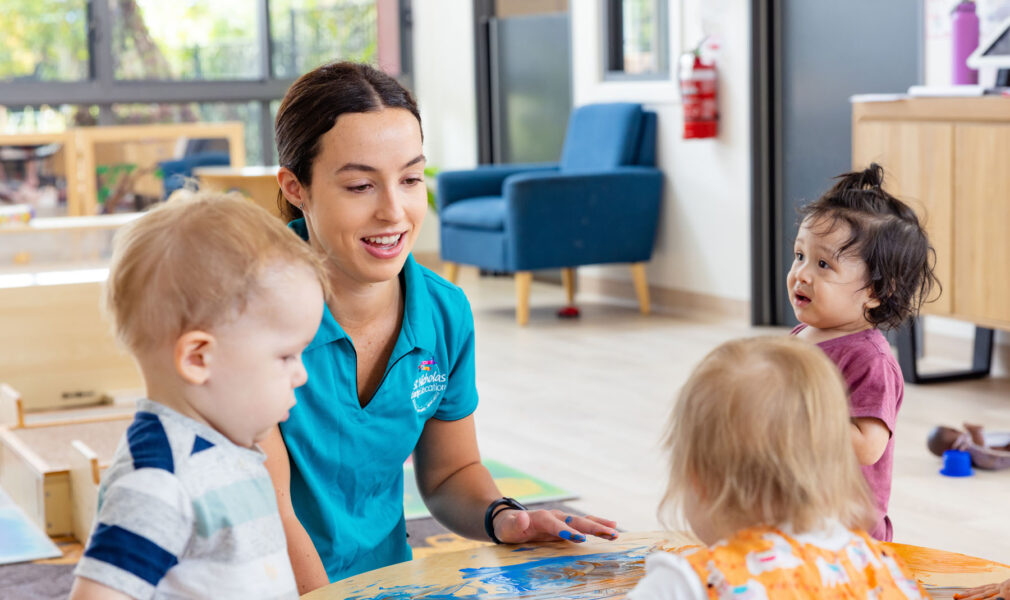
column 990, row 451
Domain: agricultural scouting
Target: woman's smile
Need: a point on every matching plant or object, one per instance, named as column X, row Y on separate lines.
column 385, row 246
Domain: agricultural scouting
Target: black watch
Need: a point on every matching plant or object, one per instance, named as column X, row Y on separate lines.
column 490, row 514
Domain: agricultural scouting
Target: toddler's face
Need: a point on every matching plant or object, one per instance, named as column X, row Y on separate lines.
column 828, row 291
column 257, row 362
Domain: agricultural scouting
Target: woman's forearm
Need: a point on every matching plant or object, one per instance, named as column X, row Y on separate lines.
column 460, row 501
column 305, row 562
column 308, row 568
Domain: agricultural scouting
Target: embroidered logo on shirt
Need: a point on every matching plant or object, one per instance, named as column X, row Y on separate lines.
column 428, row 385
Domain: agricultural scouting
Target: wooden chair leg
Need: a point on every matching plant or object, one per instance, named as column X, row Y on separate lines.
column 641, row 286
column 523, row 281
column 451, row 272
column 568, row 280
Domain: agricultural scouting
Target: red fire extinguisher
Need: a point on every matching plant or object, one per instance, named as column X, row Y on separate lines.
column 698, row 79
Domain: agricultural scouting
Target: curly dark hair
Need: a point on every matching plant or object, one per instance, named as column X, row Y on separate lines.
column 888, row 236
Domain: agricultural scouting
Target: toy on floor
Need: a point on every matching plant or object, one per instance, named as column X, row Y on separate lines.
column 569, row 312
column 990, row 451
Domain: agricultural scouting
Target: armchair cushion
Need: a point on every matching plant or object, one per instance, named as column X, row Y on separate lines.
column 486, row 213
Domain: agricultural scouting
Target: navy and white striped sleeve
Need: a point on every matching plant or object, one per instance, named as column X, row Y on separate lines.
column 144, row 521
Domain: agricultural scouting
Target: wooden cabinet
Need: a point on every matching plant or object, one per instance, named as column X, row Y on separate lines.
column 950, row 160
column 982, row 221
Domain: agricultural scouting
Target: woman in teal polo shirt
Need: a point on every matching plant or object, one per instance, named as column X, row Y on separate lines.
column 391, row 368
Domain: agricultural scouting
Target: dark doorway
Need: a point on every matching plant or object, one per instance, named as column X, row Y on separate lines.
column 524, row 89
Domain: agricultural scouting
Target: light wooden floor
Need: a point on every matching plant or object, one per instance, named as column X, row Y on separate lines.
column 582, row 404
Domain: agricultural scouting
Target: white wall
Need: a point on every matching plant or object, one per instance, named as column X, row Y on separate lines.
column 937, row 35
column 703, row 243
column 445, row 87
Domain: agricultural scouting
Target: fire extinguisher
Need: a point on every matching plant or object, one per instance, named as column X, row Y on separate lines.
column 698, row 79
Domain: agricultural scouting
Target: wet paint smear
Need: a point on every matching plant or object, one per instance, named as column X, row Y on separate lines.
column 603, row 575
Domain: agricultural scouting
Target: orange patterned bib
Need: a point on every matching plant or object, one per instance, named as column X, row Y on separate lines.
column 762, row 563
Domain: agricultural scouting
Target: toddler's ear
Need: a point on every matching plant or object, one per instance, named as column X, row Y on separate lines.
column 192, row 356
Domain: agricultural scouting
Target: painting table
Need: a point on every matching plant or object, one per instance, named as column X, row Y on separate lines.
column 595, row 569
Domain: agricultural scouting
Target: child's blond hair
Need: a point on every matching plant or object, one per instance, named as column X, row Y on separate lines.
column 193, row 263
column 761, row 435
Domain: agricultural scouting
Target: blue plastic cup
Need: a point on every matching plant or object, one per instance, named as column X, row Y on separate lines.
column 956, row 463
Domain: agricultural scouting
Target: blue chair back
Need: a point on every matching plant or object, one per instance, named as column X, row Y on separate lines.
column 646, row 154
column 605, row 136
column 175, row 172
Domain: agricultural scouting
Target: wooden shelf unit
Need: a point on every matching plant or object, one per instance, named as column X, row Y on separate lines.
column 82, row 151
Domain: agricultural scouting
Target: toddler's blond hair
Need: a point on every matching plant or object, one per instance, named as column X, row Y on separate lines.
column 761, row 434
column 193, row 263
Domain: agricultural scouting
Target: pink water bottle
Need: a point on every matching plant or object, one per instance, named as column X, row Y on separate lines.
column 964, row 40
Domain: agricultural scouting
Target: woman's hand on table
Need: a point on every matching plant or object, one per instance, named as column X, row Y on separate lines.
column 993, row 590
column 518, row 526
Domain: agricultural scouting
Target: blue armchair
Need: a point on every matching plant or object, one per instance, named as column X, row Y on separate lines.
column 599, row 204
column 176, row 172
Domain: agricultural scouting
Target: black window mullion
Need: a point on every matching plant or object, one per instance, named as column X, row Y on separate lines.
column 100, row 43
column 265, row 41
column 267, row 133
column 614, row 35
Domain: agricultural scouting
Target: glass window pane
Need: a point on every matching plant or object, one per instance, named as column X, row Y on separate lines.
column 641, row 46
column 44, row 40
column 45, row 119
column 248, row 113
column 33, row 155
column 128, row 174
column 308, row 33
column 185, row 39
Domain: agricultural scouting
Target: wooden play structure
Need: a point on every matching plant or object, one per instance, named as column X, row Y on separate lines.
column 66, row 387
column 83, row 150
column 51, row 463
column 259, row 184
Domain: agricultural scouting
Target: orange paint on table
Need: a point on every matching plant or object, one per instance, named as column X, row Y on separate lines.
column 941, row 568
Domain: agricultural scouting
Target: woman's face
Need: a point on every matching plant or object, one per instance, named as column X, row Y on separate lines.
column 367, row 198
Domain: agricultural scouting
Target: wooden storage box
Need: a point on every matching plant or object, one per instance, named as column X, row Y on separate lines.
column 36, row 462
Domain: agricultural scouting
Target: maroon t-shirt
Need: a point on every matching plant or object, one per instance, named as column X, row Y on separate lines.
column 876, row 390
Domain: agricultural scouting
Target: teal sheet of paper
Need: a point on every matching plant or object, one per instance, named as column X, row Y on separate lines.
column 20, row 539
column 512, row 482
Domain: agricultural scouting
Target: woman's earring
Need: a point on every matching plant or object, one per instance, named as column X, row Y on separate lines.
column 301, row 206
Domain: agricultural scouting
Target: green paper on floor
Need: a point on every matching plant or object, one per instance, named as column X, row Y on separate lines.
column 21, row 540
column 512, row 482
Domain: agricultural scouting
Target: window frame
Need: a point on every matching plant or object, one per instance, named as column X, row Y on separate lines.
column 612, row 42
column 102, row 89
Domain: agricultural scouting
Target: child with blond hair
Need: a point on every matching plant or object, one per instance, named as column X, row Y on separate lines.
column 862, row 262
column 215, row 299
column 763, row 470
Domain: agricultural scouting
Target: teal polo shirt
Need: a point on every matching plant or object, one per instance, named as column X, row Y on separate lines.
column 347, row 461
